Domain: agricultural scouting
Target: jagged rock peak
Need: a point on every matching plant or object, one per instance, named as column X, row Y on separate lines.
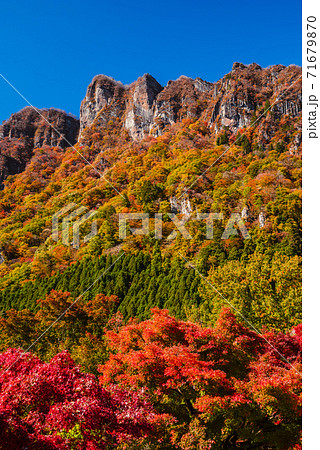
column 146, row 86
column 102, row 77
column 103, row 82
column 147, row 78
column 254, row 66
column 240, row 66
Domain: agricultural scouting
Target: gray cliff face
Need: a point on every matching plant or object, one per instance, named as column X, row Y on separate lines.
column 146, row 108
column 240, row 97
column 139, row 115
column 286, row 106
column 103, row 91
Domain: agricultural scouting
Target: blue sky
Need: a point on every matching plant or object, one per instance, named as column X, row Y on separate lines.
column 51, row 50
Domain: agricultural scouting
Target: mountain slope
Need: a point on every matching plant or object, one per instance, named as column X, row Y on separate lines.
column 208, row 151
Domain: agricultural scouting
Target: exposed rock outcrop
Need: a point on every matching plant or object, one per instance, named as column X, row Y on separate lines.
column 245, row 213
column 102, row 92
column 261, row 219
column 240, row 96
column 145, row 107
column 181, row 206
column 139, row 115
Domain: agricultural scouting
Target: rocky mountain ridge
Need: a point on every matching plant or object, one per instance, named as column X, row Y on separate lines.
column 145, row 107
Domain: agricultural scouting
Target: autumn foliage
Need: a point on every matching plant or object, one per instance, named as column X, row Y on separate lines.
column 225, row 387
column 166, row 384
column 55, row 405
